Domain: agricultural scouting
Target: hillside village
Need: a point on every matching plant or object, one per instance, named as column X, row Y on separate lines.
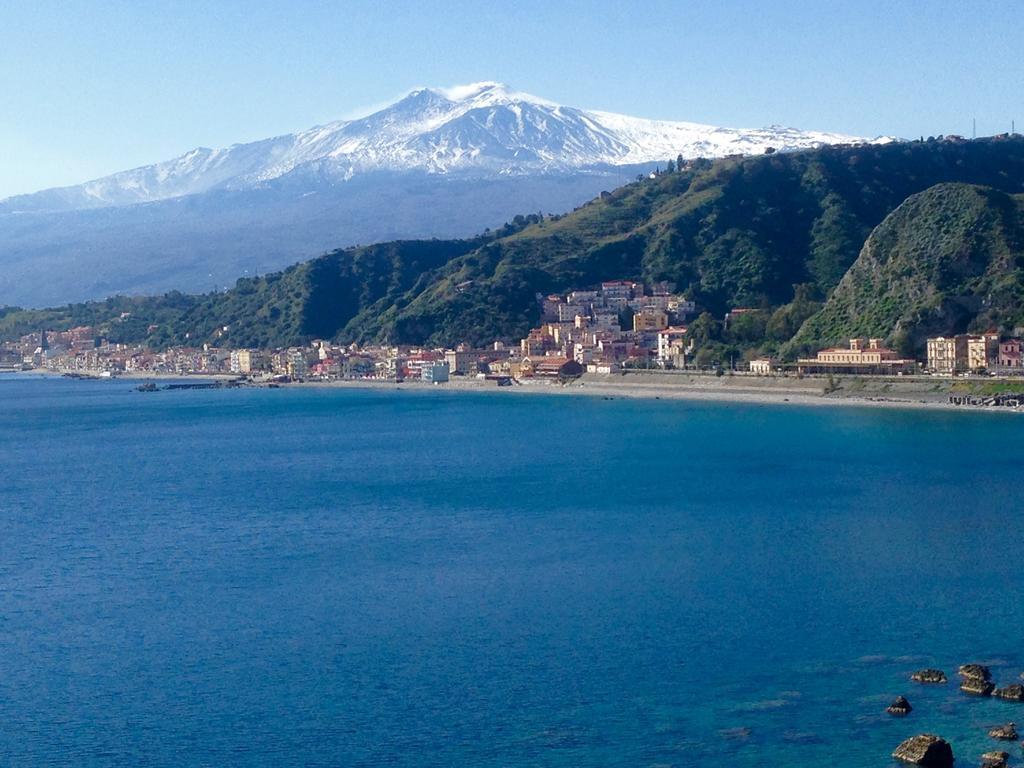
column 614, row 327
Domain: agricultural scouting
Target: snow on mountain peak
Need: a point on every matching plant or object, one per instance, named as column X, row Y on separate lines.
column 470, row 90
column 483, row 128
column 490, row 92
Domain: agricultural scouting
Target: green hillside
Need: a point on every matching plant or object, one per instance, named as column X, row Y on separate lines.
column 950, row 259
column 122, row 319
column 314, row 299
column 311, row 299
column 777, row 231
column 737, row 232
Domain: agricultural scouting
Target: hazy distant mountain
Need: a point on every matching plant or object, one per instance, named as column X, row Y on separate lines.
column 437, row 163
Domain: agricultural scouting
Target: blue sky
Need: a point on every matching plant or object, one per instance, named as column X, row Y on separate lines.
column 93, row 87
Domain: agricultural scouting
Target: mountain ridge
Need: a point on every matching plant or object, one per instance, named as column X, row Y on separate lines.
column 436, row 163
column 776, row 233
column 488, row 129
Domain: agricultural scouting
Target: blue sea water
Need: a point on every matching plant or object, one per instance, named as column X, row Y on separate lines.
column 304, row 577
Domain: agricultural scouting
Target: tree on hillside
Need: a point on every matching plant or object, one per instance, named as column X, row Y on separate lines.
column 748, row 327
column 787, row 319
column 704, row 329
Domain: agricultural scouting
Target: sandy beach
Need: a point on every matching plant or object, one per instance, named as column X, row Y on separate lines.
column 862, row 392
column 930, row 393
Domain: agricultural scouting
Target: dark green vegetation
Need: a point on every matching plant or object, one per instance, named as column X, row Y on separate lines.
column 315, row 299
column 776, row 232
column 948, row 260
column 122, row 319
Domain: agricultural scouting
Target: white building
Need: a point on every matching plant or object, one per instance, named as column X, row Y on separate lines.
column 672, row 343
column 681, row 307
column 584, row 298
column 645, row 303
column 567, row 312
column 617, row 290
column 763, row 366
column 435, row 373
column 241, row 361
column 583, row 353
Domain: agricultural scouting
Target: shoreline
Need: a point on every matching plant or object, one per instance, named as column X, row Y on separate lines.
column 641, row 391
column 739, row 390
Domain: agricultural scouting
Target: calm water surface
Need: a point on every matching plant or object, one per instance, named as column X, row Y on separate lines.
column 342, row 578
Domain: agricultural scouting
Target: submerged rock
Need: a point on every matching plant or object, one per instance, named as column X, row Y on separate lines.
column 977, row 687
column 929, row 676
column 801, row 737
column 1012, row 692
column 974, row 671
column 1007, row 732
column 740, row 733
column 899, row 707
column 925, row 749
column 994, row 759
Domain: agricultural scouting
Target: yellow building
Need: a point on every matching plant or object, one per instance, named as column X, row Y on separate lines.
column 982, row 351
column 241, row 361
column 949, row 355
column 866, row 356
column 650, row 320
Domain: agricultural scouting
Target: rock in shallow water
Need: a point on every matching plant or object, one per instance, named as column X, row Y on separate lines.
column 1012, row 692
column 739, row 733
column 1007, row 732
column 976, row 671
column 977, row 687
column 994, row 759
column 925, row 749
column 899, row 707
column 929, row 676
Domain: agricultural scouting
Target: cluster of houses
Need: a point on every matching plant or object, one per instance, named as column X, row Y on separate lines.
column 598, row 330
column 620, row 324
column 81, row 350
column 967, row 353
column 584, row 329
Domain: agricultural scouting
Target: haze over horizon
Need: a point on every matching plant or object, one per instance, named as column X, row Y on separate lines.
column 94, row 91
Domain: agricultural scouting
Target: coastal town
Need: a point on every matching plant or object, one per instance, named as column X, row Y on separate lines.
column 615, row 327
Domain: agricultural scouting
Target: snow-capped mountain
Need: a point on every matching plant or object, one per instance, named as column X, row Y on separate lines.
column 483, row 130
column 437, row 163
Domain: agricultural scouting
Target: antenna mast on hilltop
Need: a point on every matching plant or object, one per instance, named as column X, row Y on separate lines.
column 974, row 128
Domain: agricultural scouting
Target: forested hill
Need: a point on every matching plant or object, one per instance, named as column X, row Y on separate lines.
column 947, row 260
column 737, row 232
column 776, row 231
